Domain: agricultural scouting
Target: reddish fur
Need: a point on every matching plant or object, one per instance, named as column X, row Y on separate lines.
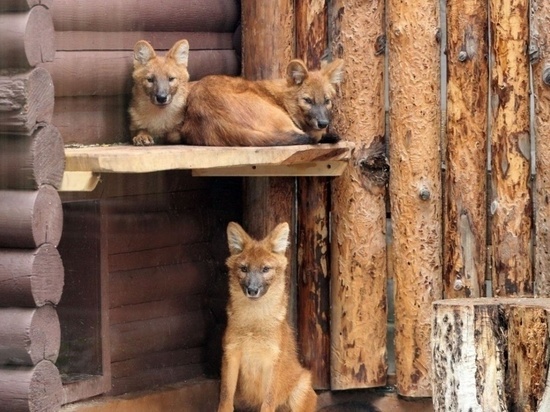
column 150, row 121
column 260, row 367
column 232, row 111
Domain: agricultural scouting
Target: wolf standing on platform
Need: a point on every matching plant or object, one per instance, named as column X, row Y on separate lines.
column 260, row 367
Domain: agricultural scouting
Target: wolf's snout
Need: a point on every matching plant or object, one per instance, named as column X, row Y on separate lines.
column 253, row 291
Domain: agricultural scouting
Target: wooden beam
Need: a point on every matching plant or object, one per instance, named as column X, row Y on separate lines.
column 30, row 277
column 329, row 168
column 415, row 184
column 465, row 250
column 135, row 15
column 79, row 181
column 27, row 38
column 132, row 159
column 28, row 336
column 27, row 162
column 26, row 98
column 358, row 241
column 29, row 219
column 511, row 203
column 37, row 388
column 540, row 38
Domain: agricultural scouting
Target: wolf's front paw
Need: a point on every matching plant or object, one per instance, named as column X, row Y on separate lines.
column 330, row 138
column 143, row 139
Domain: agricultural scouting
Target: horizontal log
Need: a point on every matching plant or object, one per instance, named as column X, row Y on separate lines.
column 26, row 98
column 29, row 219
column 30, row 277
column 137, row 15
column 30, row 389
column 28, row 336
column 160, row 40
column 108, row 73
column 27, row 38
column 27, row 162
column 92, row 120
column 157, row 283
column 22, row 5
column 129, row 340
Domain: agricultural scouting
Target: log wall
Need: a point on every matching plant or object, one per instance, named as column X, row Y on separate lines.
column 31, row 218
column 92, row 67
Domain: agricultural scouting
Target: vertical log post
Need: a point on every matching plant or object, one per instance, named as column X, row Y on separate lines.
column 267, row 47
column 540, row 42
column 466, row 155
column 313, row 221
column 358, row 242
column 511, row 207
column 415, row 184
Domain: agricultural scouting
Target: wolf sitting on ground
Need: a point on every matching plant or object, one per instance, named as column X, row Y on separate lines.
column 232, row 111
column 260, row 367
column 159, row 93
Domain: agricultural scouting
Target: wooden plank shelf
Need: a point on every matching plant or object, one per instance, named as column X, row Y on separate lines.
column 84, row 165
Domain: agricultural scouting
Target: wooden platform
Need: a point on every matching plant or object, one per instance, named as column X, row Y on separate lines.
column 85, row 164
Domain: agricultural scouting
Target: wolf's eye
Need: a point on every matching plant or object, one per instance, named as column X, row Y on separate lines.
column 171, row 78
column 308, row 100
column 327, row 101
column 266, row 269
column 151, row 79
column 244, row 268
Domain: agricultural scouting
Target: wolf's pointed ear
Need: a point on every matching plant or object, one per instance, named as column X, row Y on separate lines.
column 180, row 52
column 334, row 71
column 279, row 238
column 296, row 72
column 143, row 52
column 236, row 238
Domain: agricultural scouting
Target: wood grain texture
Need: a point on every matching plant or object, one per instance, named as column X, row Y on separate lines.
column 358, row 241
column 27, row 162
column 32, row 389
column 132, row 159
column 27, row 38
column 465, row 217
column 540, row 38
column 491, row 354
column 313, row 220
column 29, row 219
column 415, row 184
column 136, row 15
column 511, row 202
column 28, row 336
column 26, row 98
column 30, row 277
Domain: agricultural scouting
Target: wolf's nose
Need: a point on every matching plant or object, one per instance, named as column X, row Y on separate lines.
column 252, row 291
column 322, row 124
column 162, row 98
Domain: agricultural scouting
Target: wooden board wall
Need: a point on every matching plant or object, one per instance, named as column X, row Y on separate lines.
column 166, row 249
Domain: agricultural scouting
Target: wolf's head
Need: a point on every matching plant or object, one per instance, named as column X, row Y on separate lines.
column 313, row 92
column 160, row 78
column 255, row 265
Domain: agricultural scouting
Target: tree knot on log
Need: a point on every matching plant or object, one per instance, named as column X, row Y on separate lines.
column 373, row 163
